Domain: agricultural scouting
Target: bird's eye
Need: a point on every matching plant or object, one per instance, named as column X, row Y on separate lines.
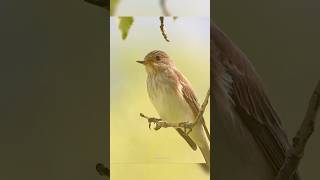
column 158, row 58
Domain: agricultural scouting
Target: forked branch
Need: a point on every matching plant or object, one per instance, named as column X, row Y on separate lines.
column 295, row 154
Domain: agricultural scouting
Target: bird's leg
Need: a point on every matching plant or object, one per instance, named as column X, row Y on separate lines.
column 152, row 120
column 186, row 126
column 158, row 122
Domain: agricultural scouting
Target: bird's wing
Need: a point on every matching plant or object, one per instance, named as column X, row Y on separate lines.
column 191, row 98
column 250, row 100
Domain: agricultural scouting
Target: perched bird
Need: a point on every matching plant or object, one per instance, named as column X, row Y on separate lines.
column 174, row 99
column 249, row 142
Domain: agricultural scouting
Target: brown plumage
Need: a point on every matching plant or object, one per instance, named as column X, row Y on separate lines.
column 174, row 99
column 237, row 90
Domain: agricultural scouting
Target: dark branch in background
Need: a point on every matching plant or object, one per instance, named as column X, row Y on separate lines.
column 101, row 3
column 102, row 170
column 162, row 29
column 295, row 154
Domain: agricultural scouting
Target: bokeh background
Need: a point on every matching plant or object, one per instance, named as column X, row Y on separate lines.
column 136, row 150
column 281, row 38
column 53, row 105
column 152, row 7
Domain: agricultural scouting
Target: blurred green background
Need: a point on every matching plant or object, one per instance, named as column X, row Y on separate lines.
column 152, row 7
column 131, row 142
column 281, row 38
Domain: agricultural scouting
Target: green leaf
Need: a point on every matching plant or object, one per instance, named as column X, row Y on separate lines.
column 124, row 26
column 113, row 6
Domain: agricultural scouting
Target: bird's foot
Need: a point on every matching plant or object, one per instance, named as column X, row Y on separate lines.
column 151, row 120
column 186, row 126
column 159, row 123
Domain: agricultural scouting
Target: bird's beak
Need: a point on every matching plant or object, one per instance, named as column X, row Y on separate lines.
column 141, row 62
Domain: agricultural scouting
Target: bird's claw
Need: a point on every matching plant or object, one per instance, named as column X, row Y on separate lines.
column 151, row 120
column 187, row 127
column 155, row 121
column 160, row 124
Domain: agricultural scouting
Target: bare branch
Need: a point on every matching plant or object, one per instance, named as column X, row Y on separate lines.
column 163, row 5
column 200, row 114
column 101, row 3
column 162, row 29
column 295, row 154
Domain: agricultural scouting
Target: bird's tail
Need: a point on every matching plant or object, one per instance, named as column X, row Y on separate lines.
column 198, row 135
column 205, row 150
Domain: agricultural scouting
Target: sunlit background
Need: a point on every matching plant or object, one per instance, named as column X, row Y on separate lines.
column 134, row 148
column 152, row 8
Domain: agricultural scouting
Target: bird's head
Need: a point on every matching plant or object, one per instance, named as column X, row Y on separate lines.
column 157, row 61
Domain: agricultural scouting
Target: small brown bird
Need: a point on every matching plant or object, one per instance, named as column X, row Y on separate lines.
column 249, row 142
column 172, row 96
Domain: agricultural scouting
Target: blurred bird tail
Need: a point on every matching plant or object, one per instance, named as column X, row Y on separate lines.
column 205, row 150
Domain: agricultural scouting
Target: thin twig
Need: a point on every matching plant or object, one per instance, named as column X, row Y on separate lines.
column 101, row 3
column 164, row 8
column 163, row 5
column 295, row 154
column 162, row 29
column 200, row 114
